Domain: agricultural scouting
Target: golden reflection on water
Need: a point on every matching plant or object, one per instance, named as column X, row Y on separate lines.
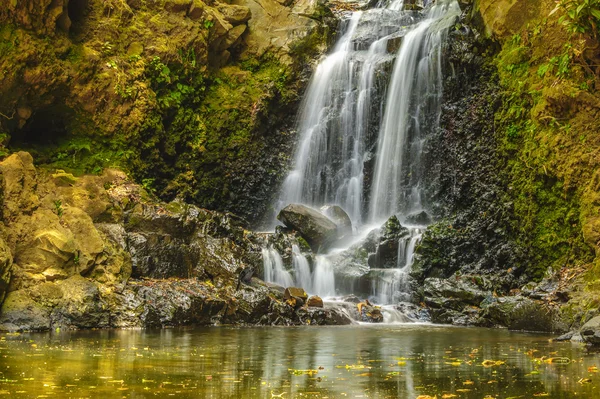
column 305, row 362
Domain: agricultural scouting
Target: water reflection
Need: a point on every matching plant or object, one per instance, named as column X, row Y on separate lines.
column 312, row 362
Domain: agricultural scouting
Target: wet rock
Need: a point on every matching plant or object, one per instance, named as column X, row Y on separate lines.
column 351, row 299
column 339, row 217
column 314, row 302
column 393, row 230
column 419, row 218
column 565, row 337
column 323, row 317
column 6, row 263
column 452, row 293
column 590, row 331
column 21, row 313
column 296, row 292
column 369, row 313
column 517, row 313
column 80, row 306
column 315, row 227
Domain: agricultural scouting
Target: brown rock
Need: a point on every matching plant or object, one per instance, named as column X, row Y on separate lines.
column 178, row 6
column 196, row 10
column 19, row 179
column 295, row 292
column 314, row 302
column 234, row 14
column 5, row 268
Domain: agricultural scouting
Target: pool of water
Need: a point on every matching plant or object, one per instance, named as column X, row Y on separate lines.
column 402, row 361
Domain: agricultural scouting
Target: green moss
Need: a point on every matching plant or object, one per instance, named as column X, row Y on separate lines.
column 541, row 151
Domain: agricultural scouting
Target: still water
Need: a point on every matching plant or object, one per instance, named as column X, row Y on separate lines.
column 403, row 361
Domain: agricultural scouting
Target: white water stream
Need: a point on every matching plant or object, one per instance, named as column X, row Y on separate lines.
column 363, row 123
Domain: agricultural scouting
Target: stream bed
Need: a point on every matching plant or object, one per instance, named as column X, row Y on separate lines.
column 364, row 361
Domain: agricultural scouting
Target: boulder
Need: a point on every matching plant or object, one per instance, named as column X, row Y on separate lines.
column 21, row 313
column 235, row 14
column 517, row 313
column 369, row 313
column 393, row 230
column 419, row 218
column 452, row 293
column 296, row 292
column 314, row 302
column 81, row 305
column 339, row 217
column 590, row 332
column 318, row 230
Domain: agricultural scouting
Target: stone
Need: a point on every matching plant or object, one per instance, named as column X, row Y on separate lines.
column 295, row 292
column 314, row 302
column 49, row 248
column 339, row 217
column 196, row 10
column 518, row 313
column 369, row 313
column 178, row 6
column 19, row 179
column 21, row 313
column 590, row 331
column 454, row 293
column 503, row 18
column 81, row 305
column 312, row 225
column 392, row 229
column 234, row 14
column 232, row 38
column 419, row 218
column 6, row 263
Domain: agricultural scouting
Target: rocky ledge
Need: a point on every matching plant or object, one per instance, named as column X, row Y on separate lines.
column 99, row 251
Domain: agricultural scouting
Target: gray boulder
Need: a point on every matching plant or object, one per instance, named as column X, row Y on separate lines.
column 339, row 217
column 318, row 230
column 590, row 332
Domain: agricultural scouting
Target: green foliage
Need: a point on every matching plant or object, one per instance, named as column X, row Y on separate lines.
column 560, row 65
column 580, row 16
column 58, row 208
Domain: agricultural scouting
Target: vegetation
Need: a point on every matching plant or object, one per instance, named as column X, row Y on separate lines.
column 547, row 79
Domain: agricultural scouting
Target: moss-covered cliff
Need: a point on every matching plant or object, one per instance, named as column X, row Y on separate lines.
column 518, row 190
column 194, row 99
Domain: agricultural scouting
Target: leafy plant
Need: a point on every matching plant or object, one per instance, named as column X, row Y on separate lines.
column 579, row 16
column 58, row 208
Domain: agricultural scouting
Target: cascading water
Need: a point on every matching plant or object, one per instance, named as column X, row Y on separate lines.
column 273, row 268
column 392, row 285
column 301, row 269
column 363, row 123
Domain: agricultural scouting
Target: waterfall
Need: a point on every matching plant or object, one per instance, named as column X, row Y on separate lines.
column 392, row 285
column 301, row 269
column 323, row 279
column 274, row 271
column 363, row 124
column 413, row 100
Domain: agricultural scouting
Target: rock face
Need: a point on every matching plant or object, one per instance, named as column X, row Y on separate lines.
column 143, row 72
column 98, row 252
column 506, row 17
column 318, row 230
column 590, row 331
